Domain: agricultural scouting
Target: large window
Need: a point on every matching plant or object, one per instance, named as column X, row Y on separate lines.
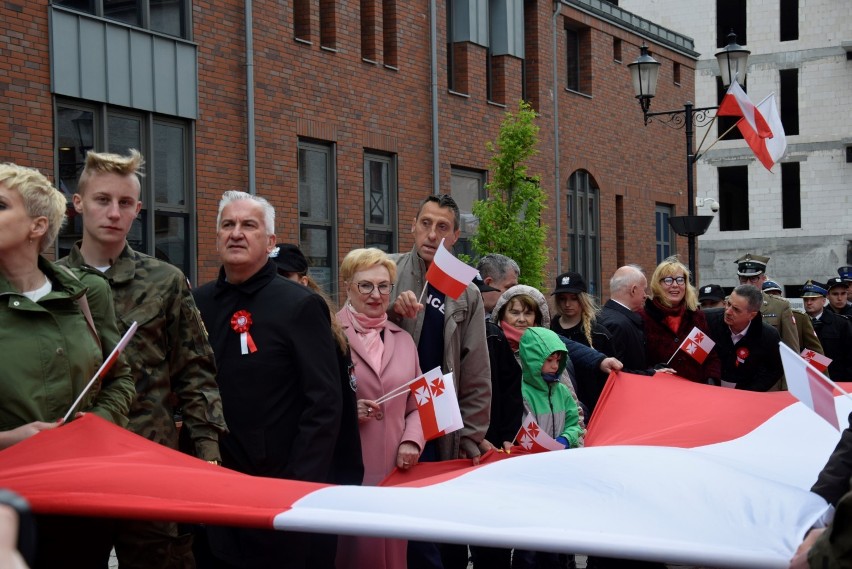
column 317, row 182
column 730, row 16
column 466, row 187
column 789, row 18
column 664, row 236
column 380, row 197
column 164, row 16
column 791, row 199
column 583, row 222
column 733, row 198
column 790, row 100
column 578, row 74
column 163, row 228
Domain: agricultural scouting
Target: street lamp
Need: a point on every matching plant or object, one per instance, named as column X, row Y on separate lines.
column 645, row 71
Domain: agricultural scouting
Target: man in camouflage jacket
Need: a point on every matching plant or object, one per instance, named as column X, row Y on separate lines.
column 172, row 363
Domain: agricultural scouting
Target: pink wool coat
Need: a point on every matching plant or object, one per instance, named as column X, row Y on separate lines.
column 380, row 439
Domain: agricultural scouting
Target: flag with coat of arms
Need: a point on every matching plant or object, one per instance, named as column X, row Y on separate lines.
column 437, row 403
column 698, row 345
column 531, row 438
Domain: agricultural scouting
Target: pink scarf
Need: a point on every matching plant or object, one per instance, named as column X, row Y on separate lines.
column 513, row 335
column 369, row 329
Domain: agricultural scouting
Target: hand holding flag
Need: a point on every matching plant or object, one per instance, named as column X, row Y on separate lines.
column 105, row 367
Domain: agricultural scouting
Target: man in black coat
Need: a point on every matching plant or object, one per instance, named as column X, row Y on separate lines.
column 746, row 345
column 278, row 375
column 834, row 331
column 619, row 316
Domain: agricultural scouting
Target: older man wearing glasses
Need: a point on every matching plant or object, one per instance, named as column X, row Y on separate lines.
column 775, row 311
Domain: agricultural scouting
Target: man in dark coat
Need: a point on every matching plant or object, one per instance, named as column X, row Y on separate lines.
column 619, row 316
column 747, row 347
column 834, row 331
column 278, row 375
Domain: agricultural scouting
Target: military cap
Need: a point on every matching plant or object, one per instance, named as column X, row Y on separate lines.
column 480, row 284
column 813, row 289
column 290, row 259
column 845, row 273
column 836, row 282
column 750, row 265
column 772, row 286
column 711, row 292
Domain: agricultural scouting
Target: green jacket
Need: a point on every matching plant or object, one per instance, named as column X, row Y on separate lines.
column 169, row 355
column 50, row 353
column 551, row 403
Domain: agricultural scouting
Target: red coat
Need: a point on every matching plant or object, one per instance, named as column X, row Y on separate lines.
column 661, row 342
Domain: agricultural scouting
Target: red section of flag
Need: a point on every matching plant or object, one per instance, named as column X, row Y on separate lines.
column 736, row 103
column 698, row 345
column 448, row 274
column 426, row 408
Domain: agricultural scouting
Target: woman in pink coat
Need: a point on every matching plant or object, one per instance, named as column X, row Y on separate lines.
column 385, row 359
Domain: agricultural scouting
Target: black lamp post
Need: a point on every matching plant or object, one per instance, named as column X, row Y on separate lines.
column 645, row 72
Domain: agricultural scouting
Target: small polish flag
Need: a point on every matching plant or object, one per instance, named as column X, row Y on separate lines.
column 533, row 439
column 437, row 404
column 809, row 385
column 816, row 359
column 448, row 274
column 697, row 345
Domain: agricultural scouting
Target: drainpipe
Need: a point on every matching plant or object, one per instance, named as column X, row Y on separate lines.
column 250, row 142
column 558, row 193
column 433, row 45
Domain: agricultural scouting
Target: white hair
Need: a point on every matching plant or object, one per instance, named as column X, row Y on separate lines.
column 236, row 195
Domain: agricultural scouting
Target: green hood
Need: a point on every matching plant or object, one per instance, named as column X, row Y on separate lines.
column 535, row 347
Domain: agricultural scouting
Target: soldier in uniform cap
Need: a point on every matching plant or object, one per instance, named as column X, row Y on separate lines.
column 834, row 331
column 838, row 297
column 171, row 360
column 808, row 339
column 751, row 269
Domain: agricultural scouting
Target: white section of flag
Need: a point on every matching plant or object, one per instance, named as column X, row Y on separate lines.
column 808, row 385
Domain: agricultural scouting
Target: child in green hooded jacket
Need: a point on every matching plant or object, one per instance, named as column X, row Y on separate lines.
column 543, row 358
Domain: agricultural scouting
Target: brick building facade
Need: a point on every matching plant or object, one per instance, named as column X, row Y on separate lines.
column 348, row 101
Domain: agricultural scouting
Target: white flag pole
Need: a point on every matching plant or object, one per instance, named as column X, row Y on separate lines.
column 104, row 367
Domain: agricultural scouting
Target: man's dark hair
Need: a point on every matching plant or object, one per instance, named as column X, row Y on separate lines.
column 752, row 295
column 443, row 200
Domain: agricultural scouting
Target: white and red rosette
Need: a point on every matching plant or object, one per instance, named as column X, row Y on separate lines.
column 241, row 324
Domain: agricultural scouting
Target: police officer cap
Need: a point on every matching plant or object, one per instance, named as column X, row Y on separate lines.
column 711, row 292
column 771, row 286
column 813, row 289
column 289, row 259
column 845, row 273
column 834, row 282
column 750, row 265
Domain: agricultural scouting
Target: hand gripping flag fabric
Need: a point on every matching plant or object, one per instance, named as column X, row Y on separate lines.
column 695, row 475
column 532, row 439
column 808, row 385
column 448, row 274
column 698, row 345
column 737, row 103
column 437, row 404
column 816, row 359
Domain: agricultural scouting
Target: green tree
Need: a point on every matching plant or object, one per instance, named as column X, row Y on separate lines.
column 510, row 216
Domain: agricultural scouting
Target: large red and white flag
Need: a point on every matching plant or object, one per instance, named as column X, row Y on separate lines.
column 816, row 359
column 809, row 385
column 531, row 438
column 698, row 345
column 648, row 489
column 437, row 404
column 769, row 150
column 736, row 103
column 448, row 274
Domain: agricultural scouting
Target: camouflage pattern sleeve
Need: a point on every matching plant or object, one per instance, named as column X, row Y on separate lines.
column 193, row 375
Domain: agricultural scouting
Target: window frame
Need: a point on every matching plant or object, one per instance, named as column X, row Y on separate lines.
column 583, row 228
column 329, row 222
column 143, row 9
column 391, row 226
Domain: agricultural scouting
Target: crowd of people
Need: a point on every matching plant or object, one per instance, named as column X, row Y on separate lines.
column 272, row 379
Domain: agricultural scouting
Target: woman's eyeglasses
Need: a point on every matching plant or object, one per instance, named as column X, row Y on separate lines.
column 669, row 281
column 366, row 287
